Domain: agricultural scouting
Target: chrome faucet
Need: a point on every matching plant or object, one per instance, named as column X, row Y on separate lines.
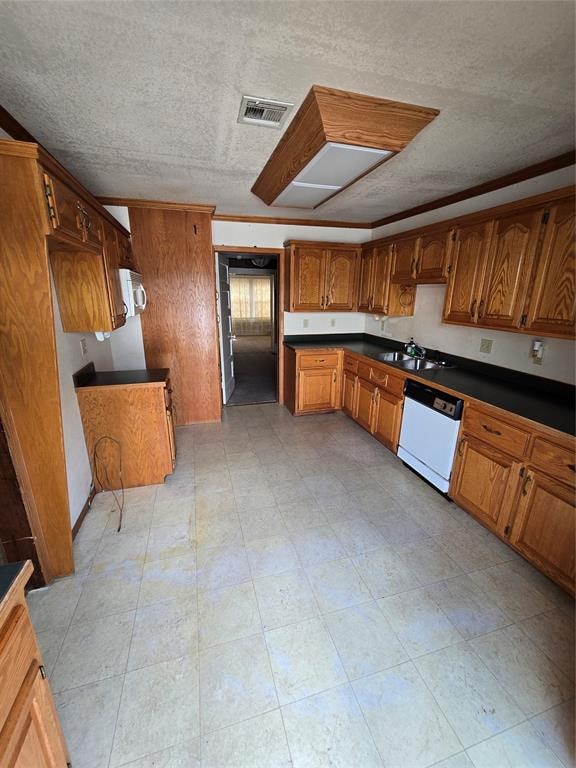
column 415, row 350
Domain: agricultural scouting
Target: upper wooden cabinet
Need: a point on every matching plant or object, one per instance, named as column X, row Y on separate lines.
column 513, row 243
column 422, row 258
column 551, row 307
column 125, row 255
column 467, row 268
column 516, row 271
column 377, row 294
column 322, row 277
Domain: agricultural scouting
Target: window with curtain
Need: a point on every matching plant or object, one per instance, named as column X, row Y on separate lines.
column 250, row 297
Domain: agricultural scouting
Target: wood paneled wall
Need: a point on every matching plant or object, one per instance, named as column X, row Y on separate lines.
column 29, row 387
column 173, row 250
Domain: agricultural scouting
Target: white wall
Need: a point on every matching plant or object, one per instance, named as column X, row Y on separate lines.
column 274, row 235
column 127, row 346
column 510, row 350
column 70, row 359
column 296, row 323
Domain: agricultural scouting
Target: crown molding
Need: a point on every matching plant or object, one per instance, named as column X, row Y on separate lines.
column 294, row 222
column 167, row 205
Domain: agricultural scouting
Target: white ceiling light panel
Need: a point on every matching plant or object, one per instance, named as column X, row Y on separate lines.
column 332, row 167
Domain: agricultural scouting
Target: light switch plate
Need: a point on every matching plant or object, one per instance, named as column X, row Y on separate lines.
column 332, row 323
column 486, row 346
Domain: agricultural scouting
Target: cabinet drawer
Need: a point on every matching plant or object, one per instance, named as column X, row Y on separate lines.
column 17, row 652
column 364, row 370
column 329, row 360
column 554, row 459
column 351, row 364
column 490, row 429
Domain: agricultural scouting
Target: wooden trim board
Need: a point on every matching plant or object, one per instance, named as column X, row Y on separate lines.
column 165, row 205
column 85, row 509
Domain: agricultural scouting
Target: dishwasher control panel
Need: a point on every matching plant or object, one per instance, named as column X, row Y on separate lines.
column 443, row 405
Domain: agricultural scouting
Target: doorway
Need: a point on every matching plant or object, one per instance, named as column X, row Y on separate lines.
column 248, row 324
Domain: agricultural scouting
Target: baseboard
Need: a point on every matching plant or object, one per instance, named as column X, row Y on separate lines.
column 77, row 525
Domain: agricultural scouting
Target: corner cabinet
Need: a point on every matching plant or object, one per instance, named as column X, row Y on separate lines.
column 322, row 277
column 376, row 294
column 516, row 271
column 30, row 732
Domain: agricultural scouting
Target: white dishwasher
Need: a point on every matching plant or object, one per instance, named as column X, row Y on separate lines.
column 429, row 432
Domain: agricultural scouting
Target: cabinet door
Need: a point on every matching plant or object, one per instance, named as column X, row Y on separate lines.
column 552, row 305
column 126, row 257
column 483, row 482
column 466, row 270
column 317, row 389
column 113, row 275
column 405, row 260
column 381, row 279
column 364, row 409
column 543, row 529
column 32, row 737
column 508, row 269
column 340, row 290
column 308, row 269
column 387, row 419
column 366, row 280
column 64, row 208
column 432, row 257
column 349, row 392
column 92, row 221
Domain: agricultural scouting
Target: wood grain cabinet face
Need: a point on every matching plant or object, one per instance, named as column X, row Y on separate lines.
column 64, row 208
column 405, row 260
column 366, row 281
column 125, row 255
column 317, row 389
column 387, row 418
column 509, row 263
column 364, row 409
column 544, row 528
column 483, row 482
column 433, row 255
column 340, row 271
column 307, row 282
column 467, row 267
column 552, row 305
column 349, row 392
column 112, row 264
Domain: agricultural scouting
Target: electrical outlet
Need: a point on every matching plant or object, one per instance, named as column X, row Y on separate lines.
column 332, row 323
column 83, row 347
column 382, row 324
column 305, row 323
column 486, row 346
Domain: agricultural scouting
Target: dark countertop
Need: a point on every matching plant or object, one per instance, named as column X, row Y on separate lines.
column 8, row 575
column 540, row 400
column 88, row 377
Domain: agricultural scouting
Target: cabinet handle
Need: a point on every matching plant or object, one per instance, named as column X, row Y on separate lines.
column 527, row 480
column 322, row 302
column 481, row 309
column 473, row 308
column 491, row 430
column 334, row 379
column 461, row 448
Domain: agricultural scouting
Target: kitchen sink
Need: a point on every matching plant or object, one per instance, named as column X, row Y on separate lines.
column 393, row 356
column 418, row 364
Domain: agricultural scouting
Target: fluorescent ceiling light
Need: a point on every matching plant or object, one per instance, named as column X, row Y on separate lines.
column 339, row 164
column 300, row 195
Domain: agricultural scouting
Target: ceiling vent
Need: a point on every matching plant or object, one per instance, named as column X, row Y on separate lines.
column 265, row 112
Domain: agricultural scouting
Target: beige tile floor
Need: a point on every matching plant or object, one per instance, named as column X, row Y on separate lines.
column 294, row 596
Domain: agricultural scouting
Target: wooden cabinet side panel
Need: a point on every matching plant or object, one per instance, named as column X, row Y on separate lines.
column 136, row 418
column 29, row 383
column 173, row 250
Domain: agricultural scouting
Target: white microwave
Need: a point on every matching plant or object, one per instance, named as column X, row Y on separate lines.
column 133, row 292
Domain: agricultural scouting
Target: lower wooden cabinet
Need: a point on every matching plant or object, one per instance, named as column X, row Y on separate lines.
column 349, row 382
column 365, row 402
column 30, row 732
column 387, row 418
column 544, row 529
column 138, row 419
column 317, row 390
column 484, row 481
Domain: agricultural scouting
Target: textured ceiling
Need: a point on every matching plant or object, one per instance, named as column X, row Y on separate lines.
column 140, row 99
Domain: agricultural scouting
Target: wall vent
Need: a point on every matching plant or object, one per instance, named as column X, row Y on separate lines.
column 265, row 112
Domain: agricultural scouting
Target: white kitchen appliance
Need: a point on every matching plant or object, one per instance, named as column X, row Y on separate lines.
column 133, row 292
column 430, row 424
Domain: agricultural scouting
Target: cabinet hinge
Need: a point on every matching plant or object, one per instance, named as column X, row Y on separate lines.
column 453, row 238
column 449, row 269
column 506, row 530
column 523, row 320
column 545, row 217
column 42, row 672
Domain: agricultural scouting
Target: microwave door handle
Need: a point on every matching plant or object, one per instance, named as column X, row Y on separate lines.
column 145, row 297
